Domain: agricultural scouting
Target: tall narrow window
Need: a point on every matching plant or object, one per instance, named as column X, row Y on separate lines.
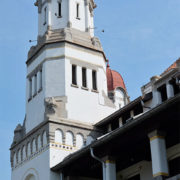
column 84, row 77
column 45, row 15
column 35, row 84
column 94, row 80
column 74, row 76
column 59, row 9
column 77, row 10
column 30, row 88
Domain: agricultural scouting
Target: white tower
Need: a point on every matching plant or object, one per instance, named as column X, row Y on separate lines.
column 66, row 89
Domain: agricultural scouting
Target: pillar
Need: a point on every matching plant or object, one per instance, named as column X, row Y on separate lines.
column 170, row 90
column 61, row 176
column 109, row 169
column 132, row 113
column 158, row 154
column 120, row 122
column 109, row 128
column 69, row 24
column 87, row 15
column 156, row 97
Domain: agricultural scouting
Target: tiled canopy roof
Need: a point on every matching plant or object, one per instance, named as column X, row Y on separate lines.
column 114, row 79
column 174, row 65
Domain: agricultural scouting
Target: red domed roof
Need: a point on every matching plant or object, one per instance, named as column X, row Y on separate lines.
column 114, row 79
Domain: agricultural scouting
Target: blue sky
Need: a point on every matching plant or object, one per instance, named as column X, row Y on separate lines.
column 141, row 39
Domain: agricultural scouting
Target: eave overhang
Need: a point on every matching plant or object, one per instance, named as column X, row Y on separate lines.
column 117, row 133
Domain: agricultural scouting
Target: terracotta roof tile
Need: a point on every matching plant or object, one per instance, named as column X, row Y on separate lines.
column 174, row 65
column 114, row 79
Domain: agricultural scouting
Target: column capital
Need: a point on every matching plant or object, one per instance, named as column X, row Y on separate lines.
column 156, row 134
column 109, row 159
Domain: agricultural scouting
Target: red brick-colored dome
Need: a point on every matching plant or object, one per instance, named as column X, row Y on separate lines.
column 114, row 79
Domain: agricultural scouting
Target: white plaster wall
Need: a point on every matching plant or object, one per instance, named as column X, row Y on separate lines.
column 78, row 23
column 82, row 105
column 86, row 106
column 35, row 111
column 68, row 15
column 52, row 84
column 56, row 22
column 40, row 164
column 54, row 78
column 57, row 155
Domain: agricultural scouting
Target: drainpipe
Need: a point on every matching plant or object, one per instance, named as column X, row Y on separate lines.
column 101, row 161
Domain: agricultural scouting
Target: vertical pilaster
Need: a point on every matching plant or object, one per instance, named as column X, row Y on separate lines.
column 120, row 122
column 170, row 91
column 69, row 24
column 110, row 170
column 87, row 15
column 109, row 128
column 61, row 176
column 48, row 16
column 156, row 97
column 79, row 76
column 158, row 154
column 132, row 113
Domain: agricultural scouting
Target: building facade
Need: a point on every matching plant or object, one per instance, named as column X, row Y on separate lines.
column 69, row 88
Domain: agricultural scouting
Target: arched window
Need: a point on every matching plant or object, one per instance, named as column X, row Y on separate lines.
column 69, row 138
column 79, row 141
column 34, row 145
column 44, row 138
column 19, row 155
column 39, row 142
column 58, row 136
column 89, row 140
column 28, row 149
column 30, row 177
column 24, row 153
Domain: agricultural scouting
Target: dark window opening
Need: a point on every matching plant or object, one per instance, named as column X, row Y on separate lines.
column 138, row 109
column 94, row 80
column 84, row 77
column 45, row 15
column 59, row 10
column 115, row 124
column 163, row 93
column 40, row 80
column 77, row 11
column 174, row 167
column 35, row 84
column 137, row 177
column 74, row 76
column 125, row 117
column 30, row 88
column 175, row 87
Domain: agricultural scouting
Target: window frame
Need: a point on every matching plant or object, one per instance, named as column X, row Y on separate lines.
column 78, row 11
column 30, row 88
column 84, row 77
column 45, row 16
column 74, row 74
column 59, row 9
column 94, row 80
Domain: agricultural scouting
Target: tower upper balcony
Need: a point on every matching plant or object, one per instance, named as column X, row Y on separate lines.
column 60, row 14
